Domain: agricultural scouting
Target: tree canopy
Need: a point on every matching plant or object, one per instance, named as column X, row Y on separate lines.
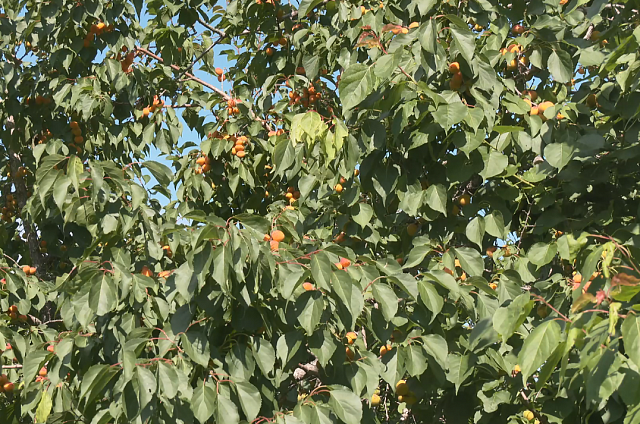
column 393, row 211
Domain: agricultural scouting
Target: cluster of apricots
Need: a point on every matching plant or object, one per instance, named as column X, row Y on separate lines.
column 127, row 60
column 271, row 2
column 238, row 148
column 42, row 374
column 5, row 385
column 292, row 195
column 9, row 209
column 13, row 314
column 232, row 106
column 29, row 270
column 276, row 133
column 343, row 264
column 45, row 136
column 78, row 139
column 274, row 239
column 167, row 251
column 340, row 186
column 398, row 29
column 516, row 49
column 204, row 164
column 351, row 339
column 220, row 73
column 96, row 30
column 39, row 100
column 158, row 103
column 404, row 393
column 307, row 96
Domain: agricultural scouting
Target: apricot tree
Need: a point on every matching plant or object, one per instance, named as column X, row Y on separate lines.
column 396, row 211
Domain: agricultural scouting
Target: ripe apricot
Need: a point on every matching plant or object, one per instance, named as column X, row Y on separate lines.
column 351, row 337
column 74, row 124
column 308, row 286
column 402, row 388
column 338, row 265
column 413, row 25
column 528, row 415
column 349, row 354
column 544, row 106
column 206, row 167
column 456, row 81
column 241, row 154
column 534, row 110
column 338, row 188
column 26, row 269
column 300, row 70
column 385, row 349
column 454, row 67
column 375, row 400
column 42, row 372
column 201, row 160
column 274, row 245
column 8, row 387
column 464, row 200
column 266, row 237
column 32, row 270
column 219, row 71
column 513, row 65
column 518, row 29
column 270, row 51
column 277, row 235
column 345, row 262
column 146, row 111
column 78, row 139
column 146, row 271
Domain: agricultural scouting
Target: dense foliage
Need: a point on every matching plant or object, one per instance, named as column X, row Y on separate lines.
column 405, row 210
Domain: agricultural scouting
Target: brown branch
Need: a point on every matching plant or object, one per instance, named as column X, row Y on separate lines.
column 11, row 367
column 191, row 76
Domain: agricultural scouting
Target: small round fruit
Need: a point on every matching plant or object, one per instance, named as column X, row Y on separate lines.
column 146, row 271
column 277, row 235
column 338, row 188
column 201, row 160
column 345, row 262
column 385, row 349
column 402, row 388
column 375, row 400
column 490, row 251
column 518, row 29
column 349, row 353
column 8, row 387
column 219, row 71
column 241, row 154
column 464, row 200
column 274, row 245
column 454, row 67
column 528, row 415
column 351, row 337
column 412, row 229
column 42, row 372
column 308, row 286
column 26, row 269
column 270, row 51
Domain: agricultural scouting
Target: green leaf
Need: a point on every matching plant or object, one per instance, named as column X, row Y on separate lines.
column 436, row 346
column 362, row 214
column 559, row 154
column 203, row 402
column 475, row 230
column 44, row 408
column 415, row 361
column 449, row 114
column 321, row 270
column 103, row 296
column 355, row 85
column 430, row 298
column 259, row 224
column 167, row 377
column 310, row 306
column 631, row 337
column 494, row 163
column 407, row 283
column 250, row 399
column 349, row 294
column 537, row 348
column 560, row 66
column 387, row 299
column 345, row 404
column 460, row 368
column 507, row 319
column 494, row 224
column 416, row 256
column 465, row 41
column 542, row 253
column 323, row 345
column 264, row 355
column 160, row 171
column 437, row 198
column 470, row 260
column 32, row 364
